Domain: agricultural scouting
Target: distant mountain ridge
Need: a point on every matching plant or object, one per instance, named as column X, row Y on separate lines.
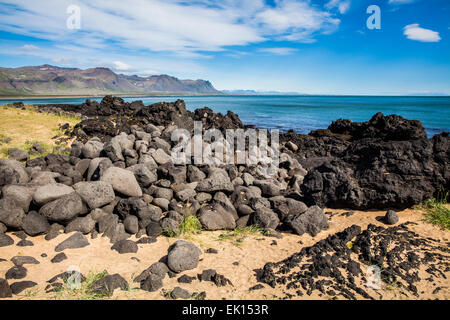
column 52, row 80
column 256, row 92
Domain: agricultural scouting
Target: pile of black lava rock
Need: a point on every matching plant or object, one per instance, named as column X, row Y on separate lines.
column 386, row 162
column 338, row 266
column 123, row 182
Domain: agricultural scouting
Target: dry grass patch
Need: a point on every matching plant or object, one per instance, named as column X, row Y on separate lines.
column 21, row 128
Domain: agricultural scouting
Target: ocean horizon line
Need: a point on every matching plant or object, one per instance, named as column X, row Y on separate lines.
column 225, row 95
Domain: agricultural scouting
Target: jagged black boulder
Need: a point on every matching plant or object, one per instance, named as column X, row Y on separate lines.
column 387, row 162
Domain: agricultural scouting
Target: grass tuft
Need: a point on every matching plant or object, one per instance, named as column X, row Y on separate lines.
column 237, row 234
column 436, row 210
column 189, row 226
column 85, row 292
column 169, row 233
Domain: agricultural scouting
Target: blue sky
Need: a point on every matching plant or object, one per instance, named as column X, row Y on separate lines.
column 312, row 47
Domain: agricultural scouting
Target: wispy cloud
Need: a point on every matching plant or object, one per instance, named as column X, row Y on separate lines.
column 63, row 61
column 29, row 47
column 415, row 32
column 170, row 25
column 81, row 57
column 279, row 51
column 400, row 1
column 342, row 5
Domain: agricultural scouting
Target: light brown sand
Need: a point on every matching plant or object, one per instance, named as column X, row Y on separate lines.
column 251, row 254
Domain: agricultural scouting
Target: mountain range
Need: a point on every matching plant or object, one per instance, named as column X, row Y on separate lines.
column 52, row 80
column 259, row 93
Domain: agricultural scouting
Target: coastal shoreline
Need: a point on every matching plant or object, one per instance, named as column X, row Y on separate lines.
column 303, row 114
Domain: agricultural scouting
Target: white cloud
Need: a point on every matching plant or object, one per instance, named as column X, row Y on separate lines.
column 342, row 5
column 295, row 21
column 63, row 61
column 81, row 57
column 147, row 73
column 169, row 25
column 400, row 1
column 279, row 51
column 237, row 54
column 415, row 32
column 121, row 66
column 29, row 47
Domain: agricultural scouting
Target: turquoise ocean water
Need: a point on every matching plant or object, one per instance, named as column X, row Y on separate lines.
column 304, row 113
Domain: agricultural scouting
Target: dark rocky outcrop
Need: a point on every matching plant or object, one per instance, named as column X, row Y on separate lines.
column 387, row 162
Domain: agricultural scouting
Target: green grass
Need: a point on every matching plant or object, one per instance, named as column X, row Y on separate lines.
column 169, row 233
column 436, row 211
column 85, row 292
column 195, row 296
column 238, row 233
column 189, row 226
column 167, row 294
column 29, row 293
column 4, row 138
column 48, row 148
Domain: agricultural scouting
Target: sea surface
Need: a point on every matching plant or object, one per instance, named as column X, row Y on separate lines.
column 303, row 113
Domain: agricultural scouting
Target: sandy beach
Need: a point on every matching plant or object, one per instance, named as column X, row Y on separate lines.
column 251, row 254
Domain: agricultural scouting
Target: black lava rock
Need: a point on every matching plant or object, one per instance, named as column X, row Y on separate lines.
column 59, row 257
column 16, row 272
column 18, row 287
column 185, row 279
column 125, row 246
column 75, row 241
column 391, row 217
column 5, row 289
